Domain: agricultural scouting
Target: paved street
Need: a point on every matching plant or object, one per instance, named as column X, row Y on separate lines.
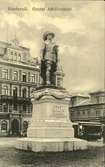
column 10, row 157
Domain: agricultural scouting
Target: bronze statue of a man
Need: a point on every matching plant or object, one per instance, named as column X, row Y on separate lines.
column 49, row 59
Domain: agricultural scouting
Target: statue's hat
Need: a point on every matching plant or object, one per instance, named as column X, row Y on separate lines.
column 46, row 34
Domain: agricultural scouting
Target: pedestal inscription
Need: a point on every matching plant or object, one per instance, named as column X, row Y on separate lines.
column 59, row 111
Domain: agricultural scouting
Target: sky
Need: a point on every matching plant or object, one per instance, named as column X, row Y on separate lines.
column 79, row 32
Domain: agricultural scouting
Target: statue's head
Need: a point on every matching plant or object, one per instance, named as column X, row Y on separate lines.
column 48, row 35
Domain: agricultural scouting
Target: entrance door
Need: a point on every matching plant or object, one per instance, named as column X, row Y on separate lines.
column 15, row 127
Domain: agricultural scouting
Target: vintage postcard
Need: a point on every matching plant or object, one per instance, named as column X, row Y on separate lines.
column 52, row 83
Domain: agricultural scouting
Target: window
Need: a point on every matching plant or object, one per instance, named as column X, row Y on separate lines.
column 11, row 52
column 30, row 108
column 15, row 75
column 5, row 107
column 15, row 56
column 32, row 79
column 15, row 91
column 97, row 113
column 0, row 107
column 24, row 92
column 5, row 90
column 24, row 107
column 5, row 74
column 88, row 112
column 25, row 126
column 24, row 77
column 83, row 112
column 36, row 78
column 19, row 57
column 58, row 81
column 97, row 99
column 15, row 106
column 78, row 112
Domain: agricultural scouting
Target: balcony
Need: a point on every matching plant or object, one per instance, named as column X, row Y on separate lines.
column 13, row 98
column 17, row 82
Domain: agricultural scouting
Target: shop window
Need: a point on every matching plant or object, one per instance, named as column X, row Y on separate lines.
column 4, row 126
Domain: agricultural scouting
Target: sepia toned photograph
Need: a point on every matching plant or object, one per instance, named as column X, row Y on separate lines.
column 52, row 83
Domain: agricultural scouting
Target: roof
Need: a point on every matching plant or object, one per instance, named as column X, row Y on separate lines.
column 84, row 102
column 8, row 44
column 97, row 92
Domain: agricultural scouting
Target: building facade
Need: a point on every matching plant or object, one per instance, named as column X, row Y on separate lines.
column 19, row 75
column 88, row 108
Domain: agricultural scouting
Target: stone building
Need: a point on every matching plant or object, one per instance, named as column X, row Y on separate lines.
column 88, row 108
column 19, row 75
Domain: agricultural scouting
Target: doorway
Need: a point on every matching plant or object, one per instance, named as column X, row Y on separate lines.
column 15, row 127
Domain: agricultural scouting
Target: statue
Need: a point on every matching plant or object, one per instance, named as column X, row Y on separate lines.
column 49, row 59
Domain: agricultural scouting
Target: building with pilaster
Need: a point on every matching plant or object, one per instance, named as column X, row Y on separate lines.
column 88, row 108
column 19, row 75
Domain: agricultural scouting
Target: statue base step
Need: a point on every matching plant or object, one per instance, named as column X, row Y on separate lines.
column 51, row 145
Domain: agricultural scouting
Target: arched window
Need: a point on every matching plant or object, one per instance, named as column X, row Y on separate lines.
column 24, row 92
column 15, row 91
column 4, row 126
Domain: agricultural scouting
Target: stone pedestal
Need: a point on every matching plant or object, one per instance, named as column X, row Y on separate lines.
column 50, row 128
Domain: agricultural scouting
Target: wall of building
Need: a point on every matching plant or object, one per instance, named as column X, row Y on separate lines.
column 90, row 110
column 19, row 75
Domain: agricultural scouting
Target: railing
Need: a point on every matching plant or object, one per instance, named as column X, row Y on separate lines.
column 6, row 97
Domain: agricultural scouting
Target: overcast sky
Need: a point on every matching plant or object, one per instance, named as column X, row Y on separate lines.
column 79, row 33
